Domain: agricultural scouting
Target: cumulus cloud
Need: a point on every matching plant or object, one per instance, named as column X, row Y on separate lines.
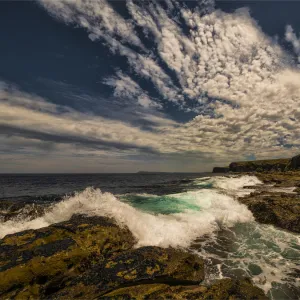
column 225, row 64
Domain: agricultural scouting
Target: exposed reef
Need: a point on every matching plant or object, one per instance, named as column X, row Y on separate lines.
column 272, row 206
column 275, row 205
column 92, row 257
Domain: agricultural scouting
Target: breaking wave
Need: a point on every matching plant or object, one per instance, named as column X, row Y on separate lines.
column 208, row 220
column 172, row 220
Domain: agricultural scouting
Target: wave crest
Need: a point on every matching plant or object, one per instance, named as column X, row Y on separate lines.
column 210, row 210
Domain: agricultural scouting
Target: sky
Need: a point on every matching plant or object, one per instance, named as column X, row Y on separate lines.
column 122, row 86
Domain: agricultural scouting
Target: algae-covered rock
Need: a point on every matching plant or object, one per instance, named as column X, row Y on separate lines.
column 35, row 258
column 281, row 179
column 91, row 257
column 147, row 265
column 226, row 289
column 279, row 209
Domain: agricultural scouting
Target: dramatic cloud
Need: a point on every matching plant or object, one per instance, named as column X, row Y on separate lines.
column 24, row 114
column 219, row 65
column 126, row 87
column 98, row 17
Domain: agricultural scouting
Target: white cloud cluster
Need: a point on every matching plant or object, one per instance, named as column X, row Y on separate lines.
column 125, row 87
column 98, row 17
column 225, row 63
column 291, row 37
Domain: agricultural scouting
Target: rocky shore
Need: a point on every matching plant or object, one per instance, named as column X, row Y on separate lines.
column 92, row 257
column 277, row 202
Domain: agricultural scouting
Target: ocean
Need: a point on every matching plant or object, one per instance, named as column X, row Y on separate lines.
column 194, row 212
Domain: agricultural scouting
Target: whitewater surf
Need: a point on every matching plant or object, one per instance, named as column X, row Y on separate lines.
column 207, row 219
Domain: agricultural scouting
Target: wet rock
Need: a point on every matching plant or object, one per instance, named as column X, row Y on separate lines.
column 32, row 258
column 10, row 210
column 222, row 290
column 279, row 209
column 144, row 265
column 281, row 179
column 91, row 257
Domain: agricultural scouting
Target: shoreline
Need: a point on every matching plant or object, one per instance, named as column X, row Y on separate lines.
column 92, row 257
column 275, row 207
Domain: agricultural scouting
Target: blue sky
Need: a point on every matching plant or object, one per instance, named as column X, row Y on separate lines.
column 122, row 86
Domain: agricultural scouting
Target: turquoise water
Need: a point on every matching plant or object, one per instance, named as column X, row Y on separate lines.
column 270, row 256
column 166, row 204
column 160, row 204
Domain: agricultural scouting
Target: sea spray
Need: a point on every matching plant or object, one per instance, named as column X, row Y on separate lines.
column 198, row 213
column 209, row 221
column 209, row 210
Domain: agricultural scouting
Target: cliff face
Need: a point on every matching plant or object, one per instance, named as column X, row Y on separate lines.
column 259, row 165
column 285, row 164
column 294, row 163
column 221, row 170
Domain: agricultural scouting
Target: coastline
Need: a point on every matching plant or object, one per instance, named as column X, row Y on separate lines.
column 93, row 257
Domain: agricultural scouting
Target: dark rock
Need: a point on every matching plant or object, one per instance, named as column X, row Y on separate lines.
column 225, row 289
column 267, row 165
column 279, row 209
column 220, row 169
column 143, row 265
column 10, row 210
column 295, row 163
column 91, row 257
column 259, row 165
column 60, row 250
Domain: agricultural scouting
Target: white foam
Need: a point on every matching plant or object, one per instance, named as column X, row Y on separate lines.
column 218, row 207
column 177, row 230
column 286, row 190
column 235, row 185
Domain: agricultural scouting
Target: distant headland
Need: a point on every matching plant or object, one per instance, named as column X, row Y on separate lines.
column 268, row 165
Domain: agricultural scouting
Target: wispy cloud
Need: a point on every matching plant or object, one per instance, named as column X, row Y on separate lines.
column 291, row 37
column 125, row 87
column 225, row 65
column 97, row 17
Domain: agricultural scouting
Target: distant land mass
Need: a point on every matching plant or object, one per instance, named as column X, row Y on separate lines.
column 283, row 164
column 154, row 172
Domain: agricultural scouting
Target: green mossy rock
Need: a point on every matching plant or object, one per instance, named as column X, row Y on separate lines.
column 279, row 209
column 281, row 179
column 32, row 259
column 147, row 265
column 91, row 257
column 226, row 289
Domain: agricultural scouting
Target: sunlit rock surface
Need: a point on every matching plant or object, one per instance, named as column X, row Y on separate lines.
column 92, row 257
